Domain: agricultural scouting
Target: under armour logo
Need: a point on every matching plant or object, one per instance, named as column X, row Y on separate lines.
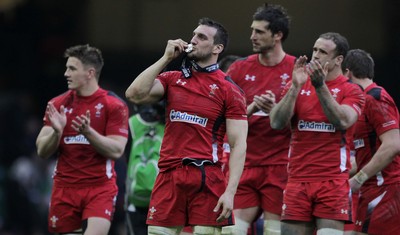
column 68, row 110
column 251, row 78
column 108, row 212
column 305, row 92
column 180, row 82
column 343, row 211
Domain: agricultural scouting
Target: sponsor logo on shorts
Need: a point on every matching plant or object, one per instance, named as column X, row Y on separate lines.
column 53, row 220
column 152, row 210
column 79, row 139
column 283, row 209
column 315, row 126
column 177, row 116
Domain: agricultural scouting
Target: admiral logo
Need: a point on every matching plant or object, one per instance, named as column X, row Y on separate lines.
column 358, row 143
column 53, row 220
column 315, row 126
column 79, row 139
column 177, row 116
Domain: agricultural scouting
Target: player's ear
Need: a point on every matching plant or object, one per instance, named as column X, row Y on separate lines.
column 218, row 48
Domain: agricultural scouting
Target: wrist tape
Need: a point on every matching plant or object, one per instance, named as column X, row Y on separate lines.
column 361, row 177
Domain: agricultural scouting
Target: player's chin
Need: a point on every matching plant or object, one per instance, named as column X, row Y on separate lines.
column 256, row 49
column 71, row 86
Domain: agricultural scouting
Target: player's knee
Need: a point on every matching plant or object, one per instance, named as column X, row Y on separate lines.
column 239, row 228
column 206, row 230
column 158, row 230
column 329, row 231
column 272, row 227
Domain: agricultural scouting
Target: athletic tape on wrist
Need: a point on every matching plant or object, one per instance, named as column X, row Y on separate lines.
column 361, row 177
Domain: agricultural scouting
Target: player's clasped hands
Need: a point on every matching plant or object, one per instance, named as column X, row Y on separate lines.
column 265, row 102
column 314, row 69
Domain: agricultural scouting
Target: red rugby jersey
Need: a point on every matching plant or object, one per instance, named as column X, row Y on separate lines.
column 78, row 163
column 195, row 115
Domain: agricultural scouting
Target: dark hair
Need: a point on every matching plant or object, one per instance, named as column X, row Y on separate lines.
column 360, row 63
column 226, row 61
column 87, row 55
column 276, row 16
column 342, row 45
column 221, row 37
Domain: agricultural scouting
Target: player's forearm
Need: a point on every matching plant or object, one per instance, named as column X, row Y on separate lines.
column 382, row 158
column 47, row 145
column 337, row 114
column 236, row 164
column 251, row 109
column 282, row 112
column 107, row 146
column 140, row 88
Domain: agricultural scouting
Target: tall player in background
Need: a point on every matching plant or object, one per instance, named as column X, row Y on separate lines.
column 377, row 144
column 88, row 129
column 263, row 76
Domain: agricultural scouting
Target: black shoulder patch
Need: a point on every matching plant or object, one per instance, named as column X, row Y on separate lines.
column 375, row 92
column 229, row 79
